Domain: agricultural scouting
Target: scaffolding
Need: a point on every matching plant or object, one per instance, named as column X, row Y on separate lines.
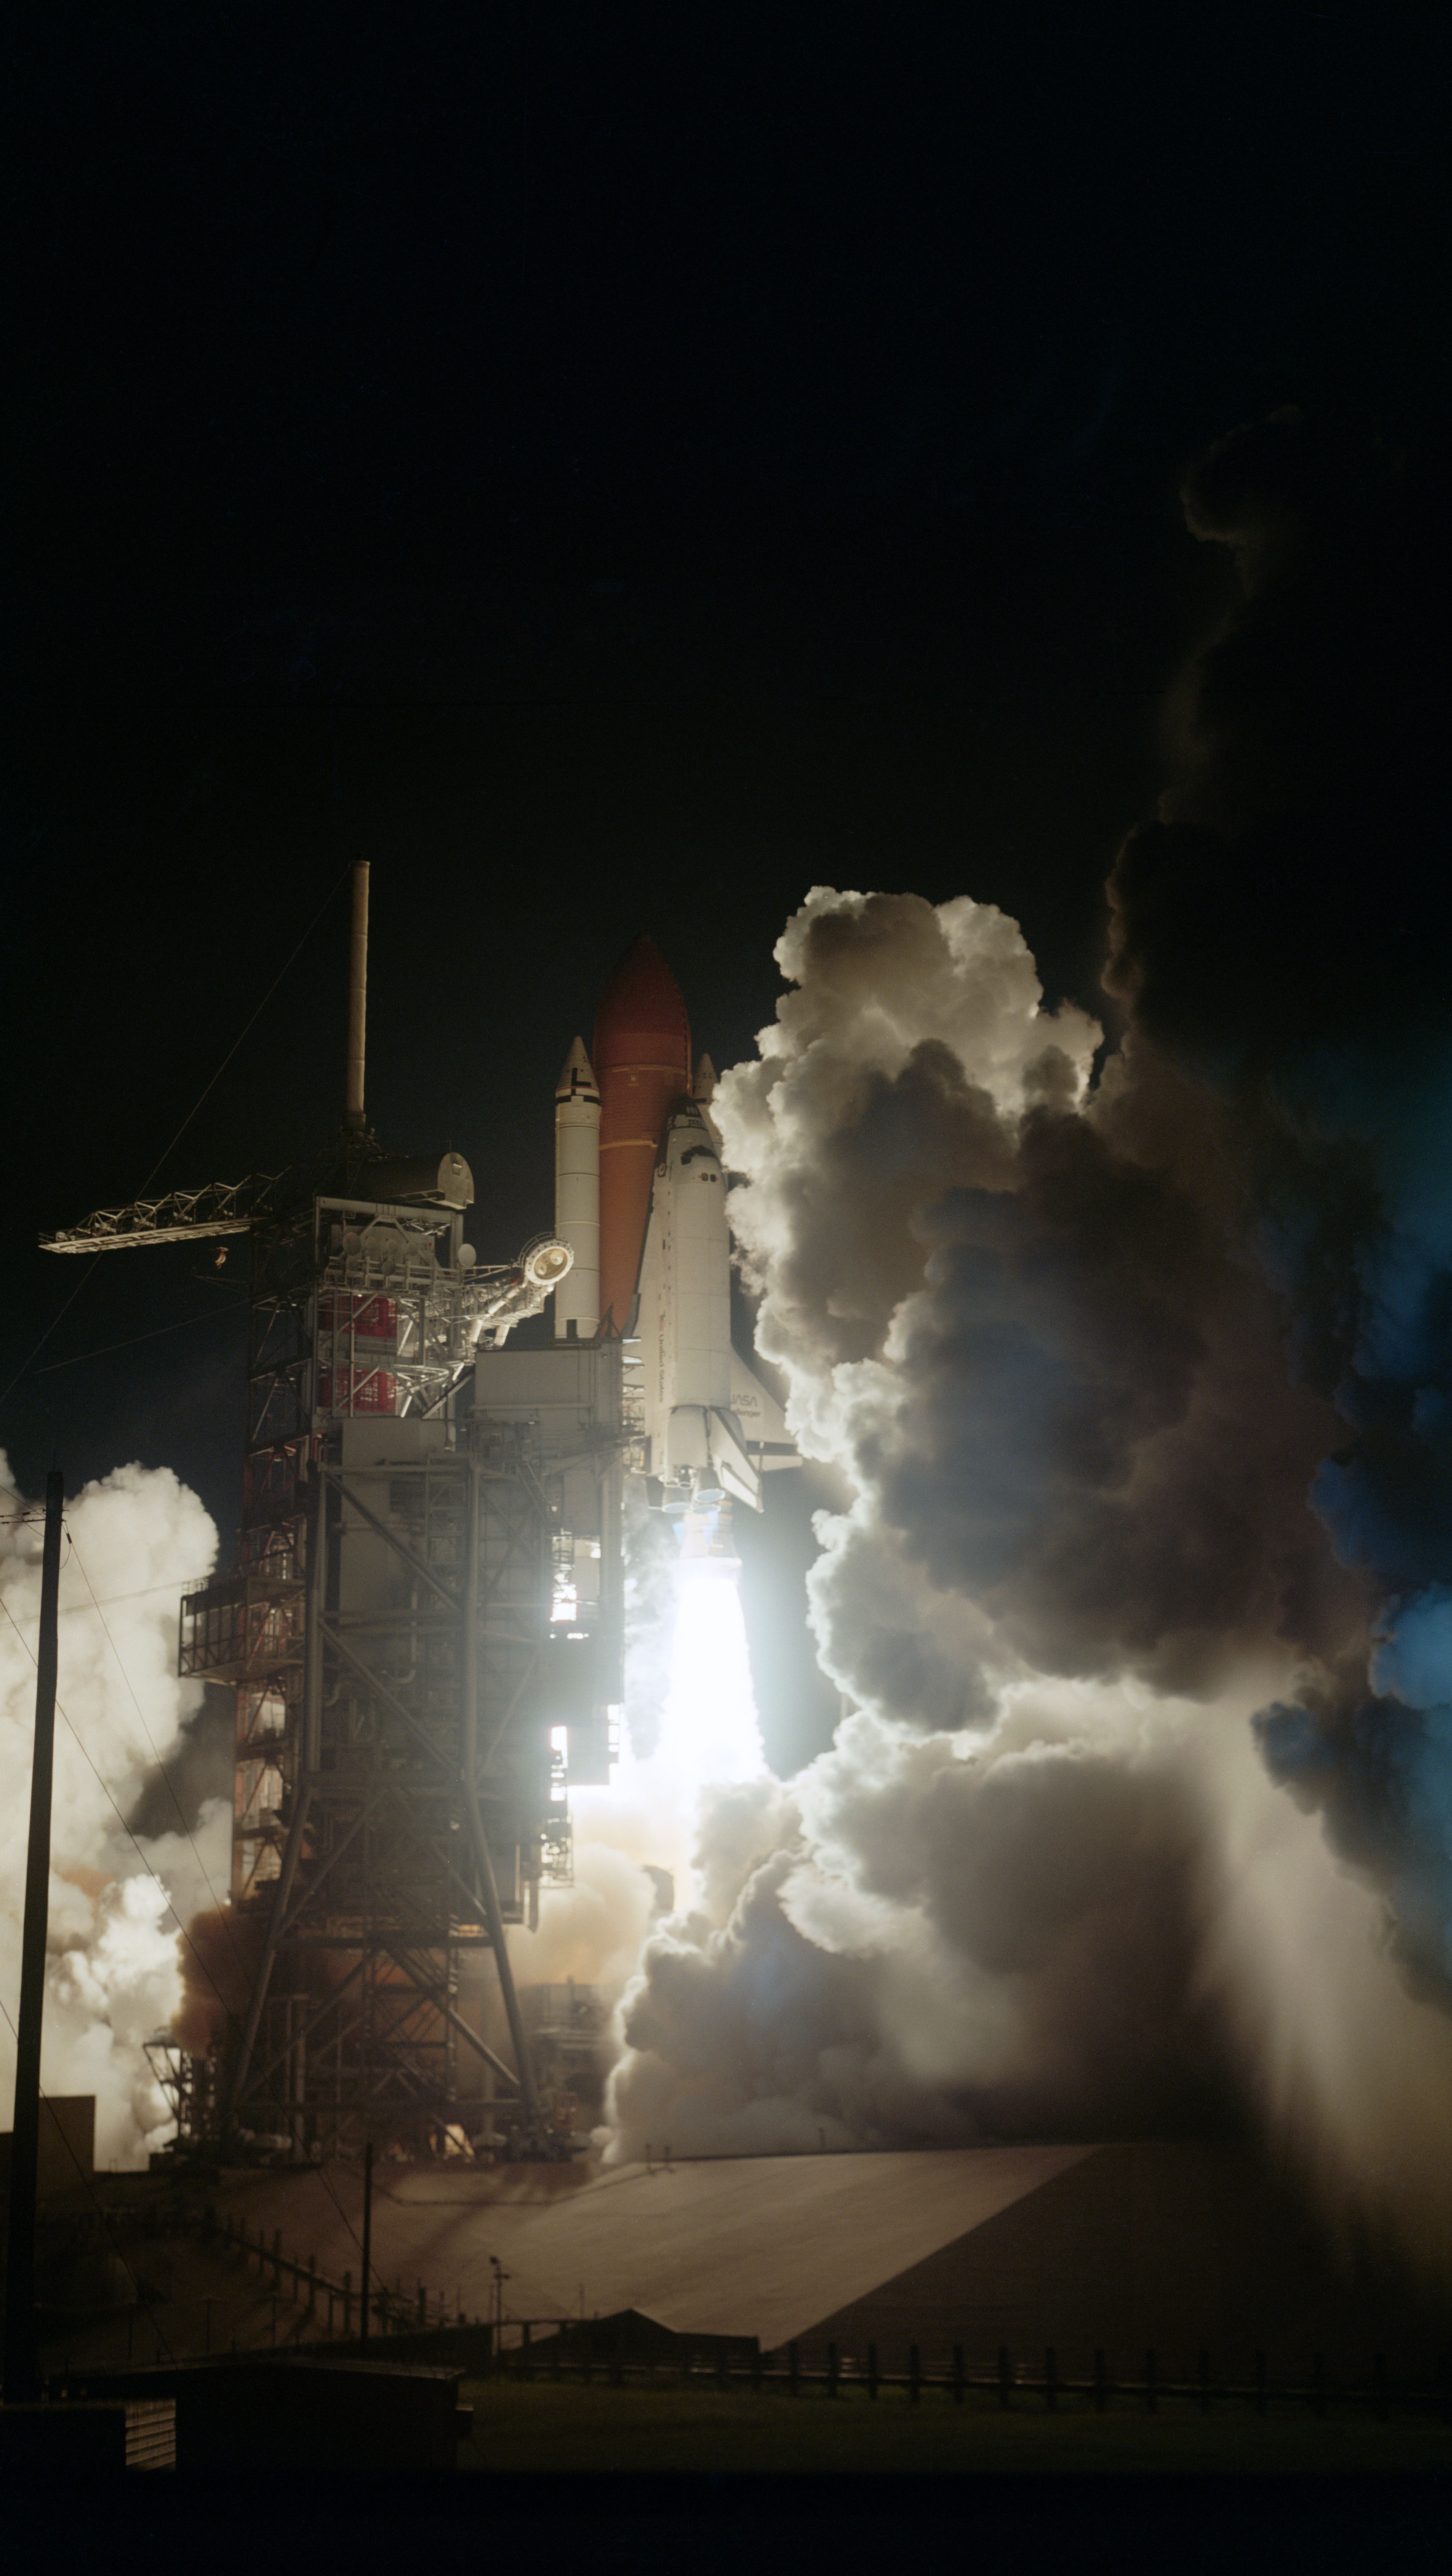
column 570, row 2041
column 412, row 1699
column 187, row 2081
column 422, row 1637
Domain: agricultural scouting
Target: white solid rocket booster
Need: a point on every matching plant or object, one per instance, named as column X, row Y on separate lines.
column 577, row 1195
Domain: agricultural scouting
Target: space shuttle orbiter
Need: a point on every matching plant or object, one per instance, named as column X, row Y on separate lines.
column 640, row 1198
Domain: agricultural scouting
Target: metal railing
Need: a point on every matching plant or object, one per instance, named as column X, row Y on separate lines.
column 330, row 2309
column 334, row 2306
column 1005, row 2382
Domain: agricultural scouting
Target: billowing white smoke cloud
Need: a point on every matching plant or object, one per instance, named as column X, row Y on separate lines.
column 912, row 1043
column 133, row 1541
column 1042, row 1882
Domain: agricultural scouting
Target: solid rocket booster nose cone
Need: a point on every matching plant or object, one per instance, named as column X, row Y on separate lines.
column 704, row 1086
column 577, row 1075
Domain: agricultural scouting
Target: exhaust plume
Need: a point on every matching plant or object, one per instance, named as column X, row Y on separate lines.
column 1139, row 1380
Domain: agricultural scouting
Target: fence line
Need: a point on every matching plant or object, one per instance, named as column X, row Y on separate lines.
column 334, row 2304
column 1006, row 2381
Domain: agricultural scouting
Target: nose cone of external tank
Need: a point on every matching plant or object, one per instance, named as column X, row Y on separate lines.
column 642, row 1018
column 642, row 1058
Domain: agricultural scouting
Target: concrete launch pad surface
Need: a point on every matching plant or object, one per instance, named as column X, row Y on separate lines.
column 737, row 2245
column 763, row 2245
column 1176, row 2247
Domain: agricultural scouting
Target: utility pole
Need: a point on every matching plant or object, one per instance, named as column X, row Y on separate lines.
column 22, row 2382
column 367, row 2235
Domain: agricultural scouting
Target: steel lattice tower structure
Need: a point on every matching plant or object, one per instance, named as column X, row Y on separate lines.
column 417, row 1636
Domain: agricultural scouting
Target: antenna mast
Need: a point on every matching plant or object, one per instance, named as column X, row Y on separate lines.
column 358, row 995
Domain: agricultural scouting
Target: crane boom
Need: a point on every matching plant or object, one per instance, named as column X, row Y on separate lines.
column 182, row 1216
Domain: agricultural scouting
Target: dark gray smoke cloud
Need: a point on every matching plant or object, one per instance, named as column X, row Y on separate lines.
column 1077, row 1386
column 1283, row 928
column 1142, row 1384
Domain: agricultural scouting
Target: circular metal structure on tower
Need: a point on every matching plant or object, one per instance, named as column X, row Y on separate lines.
column 546, row 1261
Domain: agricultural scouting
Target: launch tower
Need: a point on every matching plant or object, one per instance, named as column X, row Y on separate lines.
column 422, row 1637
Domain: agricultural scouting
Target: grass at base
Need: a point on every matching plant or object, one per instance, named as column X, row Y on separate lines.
column 544, row 2426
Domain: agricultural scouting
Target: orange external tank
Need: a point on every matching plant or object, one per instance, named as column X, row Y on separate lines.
column 642, row 1061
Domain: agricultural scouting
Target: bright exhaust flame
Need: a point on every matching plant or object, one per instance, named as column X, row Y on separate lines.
column 709, row 1738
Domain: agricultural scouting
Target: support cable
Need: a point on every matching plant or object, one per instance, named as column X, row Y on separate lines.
column 88, row 1274
column 234, row 1306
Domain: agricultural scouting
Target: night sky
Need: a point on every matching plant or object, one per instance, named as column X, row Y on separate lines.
column 613, row 470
